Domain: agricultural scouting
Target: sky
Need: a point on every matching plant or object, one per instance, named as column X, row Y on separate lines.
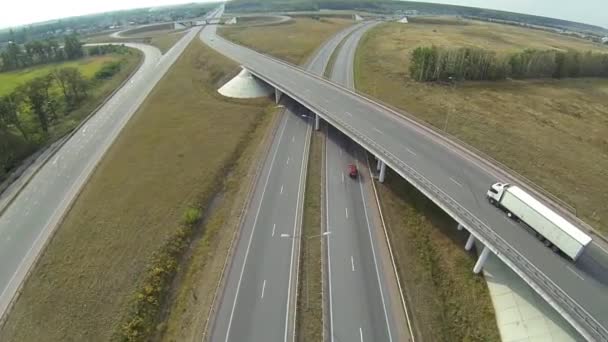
column 19, row 12
column 593, row 12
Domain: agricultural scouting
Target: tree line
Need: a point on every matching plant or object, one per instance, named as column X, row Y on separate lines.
column 17, row 56
column 448, row 64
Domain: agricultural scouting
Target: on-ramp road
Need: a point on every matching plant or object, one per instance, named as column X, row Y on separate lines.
column 30, row 220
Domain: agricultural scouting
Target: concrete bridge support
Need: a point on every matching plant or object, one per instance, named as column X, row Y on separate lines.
column 470, row 242
column 277, row 95
column 460, row 227
column 317, row 122
column 485, row 252
column 382, row 171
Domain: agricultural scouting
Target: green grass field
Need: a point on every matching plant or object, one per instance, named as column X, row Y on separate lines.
column 172, row 155
column 555, row 132
column 87, row 66
column 293, row 41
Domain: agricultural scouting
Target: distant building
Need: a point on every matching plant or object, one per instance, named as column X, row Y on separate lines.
column 403, row 20
column 605, row 40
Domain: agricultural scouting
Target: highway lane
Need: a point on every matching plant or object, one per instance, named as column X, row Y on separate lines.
column 255, row 305
column 458, row 175
column 364, row 307
column 29, row 221
column 258, row 299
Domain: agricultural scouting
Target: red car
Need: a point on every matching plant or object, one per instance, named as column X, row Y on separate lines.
column 352, row 171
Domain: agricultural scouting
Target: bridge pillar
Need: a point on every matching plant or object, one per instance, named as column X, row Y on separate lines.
column 317, row 122
column 470, row 242
column 277, row 95
column 481, row 260
column 460, row 227
column 382, row 171
column 378, row 164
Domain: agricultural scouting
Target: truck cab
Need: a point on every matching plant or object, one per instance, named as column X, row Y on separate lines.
column 495, row 192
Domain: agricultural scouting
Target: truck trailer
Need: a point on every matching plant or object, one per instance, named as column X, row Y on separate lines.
column 551, row 228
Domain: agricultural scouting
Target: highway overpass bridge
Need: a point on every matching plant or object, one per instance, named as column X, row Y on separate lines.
column 451, row 175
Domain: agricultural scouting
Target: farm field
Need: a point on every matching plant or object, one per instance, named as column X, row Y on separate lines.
column 292, row 41
column 554, row 132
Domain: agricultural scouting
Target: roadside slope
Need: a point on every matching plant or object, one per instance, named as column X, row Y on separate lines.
column 167, row 159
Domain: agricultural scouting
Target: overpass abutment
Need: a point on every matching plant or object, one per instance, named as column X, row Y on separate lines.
column 485, row 252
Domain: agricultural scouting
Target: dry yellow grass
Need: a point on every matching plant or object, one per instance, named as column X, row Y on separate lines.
column 171, row 155
column 293, row 41
column 554, row 132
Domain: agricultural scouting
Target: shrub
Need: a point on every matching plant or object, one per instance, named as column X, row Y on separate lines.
column 191, row 216
column 108, row 69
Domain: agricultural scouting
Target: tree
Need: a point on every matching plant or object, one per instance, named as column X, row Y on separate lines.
column 36, row 92
column 73, row 85
column 72, row 47
column 9, row 111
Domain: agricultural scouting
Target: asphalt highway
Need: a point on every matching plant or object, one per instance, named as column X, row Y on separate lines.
column 257, row 303
column 461, row 178
column 30, row 220
column 363, row 306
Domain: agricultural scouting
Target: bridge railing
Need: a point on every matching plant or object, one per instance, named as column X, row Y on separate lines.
column 568, row 307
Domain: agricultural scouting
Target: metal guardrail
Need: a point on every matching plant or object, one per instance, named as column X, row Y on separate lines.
column 587, row 325
column 568, row 307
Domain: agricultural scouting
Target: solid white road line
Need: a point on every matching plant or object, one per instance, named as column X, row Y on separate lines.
column 274, row 227
column 331, row 301
column 295, row 230
column 371, row 241
column 377, row 130
column 352, row 263
column 410, row 151
column 361, row 334
column 281, row 188
column 238, row 287
column 263, row 288
column 342, row 177
column 347, row 113
column 455, row 181
column 346, row 212
column 575, row 273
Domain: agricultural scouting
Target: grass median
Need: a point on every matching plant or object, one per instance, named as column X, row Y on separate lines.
column 293, row 41
column 310, row 301
column 554, row 132
column 172, row 157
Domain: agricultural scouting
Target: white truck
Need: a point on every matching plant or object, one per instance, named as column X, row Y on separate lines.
column 555, row 231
